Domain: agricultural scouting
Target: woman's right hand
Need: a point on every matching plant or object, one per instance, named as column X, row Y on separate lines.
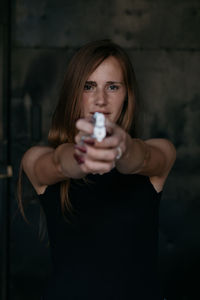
column 93, row 156
column 93, row 160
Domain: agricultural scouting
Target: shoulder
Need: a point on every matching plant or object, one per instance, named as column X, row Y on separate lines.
column 166, row 154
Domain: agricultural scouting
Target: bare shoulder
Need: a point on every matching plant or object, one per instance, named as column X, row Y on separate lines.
column 165, row 152
column 29, row 160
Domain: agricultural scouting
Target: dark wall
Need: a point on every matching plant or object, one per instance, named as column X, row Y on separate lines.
column 162, row 39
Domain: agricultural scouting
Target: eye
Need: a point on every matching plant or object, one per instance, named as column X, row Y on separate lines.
column 113, row 87
column 88, row 87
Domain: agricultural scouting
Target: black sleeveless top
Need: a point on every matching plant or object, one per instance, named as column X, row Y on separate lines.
column 107, row 249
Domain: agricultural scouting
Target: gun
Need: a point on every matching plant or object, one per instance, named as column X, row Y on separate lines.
column 99, row 126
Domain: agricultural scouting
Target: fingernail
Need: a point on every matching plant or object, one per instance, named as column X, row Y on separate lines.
column 89, row 142
column 79, row 159
column 80, row 148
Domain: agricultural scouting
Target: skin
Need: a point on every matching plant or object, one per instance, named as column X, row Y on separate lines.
column 104, row 92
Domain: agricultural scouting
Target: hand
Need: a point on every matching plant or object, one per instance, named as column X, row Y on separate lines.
column 99, row 157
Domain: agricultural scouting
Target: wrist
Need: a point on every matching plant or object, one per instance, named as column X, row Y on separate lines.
column 126, row 148
column 65, row 161
column 135, row 156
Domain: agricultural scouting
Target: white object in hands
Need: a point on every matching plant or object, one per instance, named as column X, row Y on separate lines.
column 99, row 128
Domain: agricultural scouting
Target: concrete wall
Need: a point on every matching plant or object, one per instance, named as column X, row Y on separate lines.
column 162, row 39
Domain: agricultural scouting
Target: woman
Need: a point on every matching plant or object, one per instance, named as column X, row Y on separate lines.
column 100, row 199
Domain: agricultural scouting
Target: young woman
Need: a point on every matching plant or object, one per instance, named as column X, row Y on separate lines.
column 101, row 199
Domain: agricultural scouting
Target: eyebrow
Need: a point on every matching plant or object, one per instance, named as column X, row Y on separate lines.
column 91, row 82
column 110, row 82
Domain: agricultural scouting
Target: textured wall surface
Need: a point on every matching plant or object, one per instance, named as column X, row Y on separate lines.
column 162, row 39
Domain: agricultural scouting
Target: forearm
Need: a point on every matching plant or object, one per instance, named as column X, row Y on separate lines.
column 45, row 166
column 153, row 157
column 135, row 158
column 66, row 164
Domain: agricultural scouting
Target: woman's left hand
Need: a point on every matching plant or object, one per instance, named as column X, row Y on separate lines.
column 99, row 157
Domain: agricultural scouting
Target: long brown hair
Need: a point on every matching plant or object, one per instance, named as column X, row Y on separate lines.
column 68, row 109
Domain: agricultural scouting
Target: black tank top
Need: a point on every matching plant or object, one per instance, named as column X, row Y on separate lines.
column 106, row 250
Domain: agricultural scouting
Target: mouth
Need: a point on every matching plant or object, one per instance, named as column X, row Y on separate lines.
column 102, row 112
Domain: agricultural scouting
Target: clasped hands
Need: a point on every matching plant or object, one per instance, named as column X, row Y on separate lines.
column 99, row 157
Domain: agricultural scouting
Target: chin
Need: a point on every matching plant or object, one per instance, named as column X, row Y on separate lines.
column 112, row 119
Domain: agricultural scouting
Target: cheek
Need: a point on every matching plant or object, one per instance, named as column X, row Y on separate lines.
column 120, row 101
column 118, row 106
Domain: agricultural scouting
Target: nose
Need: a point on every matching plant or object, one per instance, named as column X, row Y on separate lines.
column 100, row 98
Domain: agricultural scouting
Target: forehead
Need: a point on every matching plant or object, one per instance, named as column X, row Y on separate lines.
column 109, row 69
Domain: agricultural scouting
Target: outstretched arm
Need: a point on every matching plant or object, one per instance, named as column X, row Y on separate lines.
column 45, row 166
column 153, row 157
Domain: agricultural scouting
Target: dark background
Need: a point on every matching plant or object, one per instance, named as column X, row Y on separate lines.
column 162, row 37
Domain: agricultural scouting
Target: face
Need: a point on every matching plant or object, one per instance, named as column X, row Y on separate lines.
column 105, row 90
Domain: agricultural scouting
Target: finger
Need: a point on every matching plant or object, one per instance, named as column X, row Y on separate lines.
column 85, row 125
column 78, row 137
column 110, row 126
column 79, row 159
column 106, row 155
column 96, row 154
column 110, row 142
column 83, row 137
column 114, row 139
column 97, row 167
column 80, row 149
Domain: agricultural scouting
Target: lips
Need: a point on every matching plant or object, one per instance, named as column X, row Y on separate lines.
column 102, row 112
